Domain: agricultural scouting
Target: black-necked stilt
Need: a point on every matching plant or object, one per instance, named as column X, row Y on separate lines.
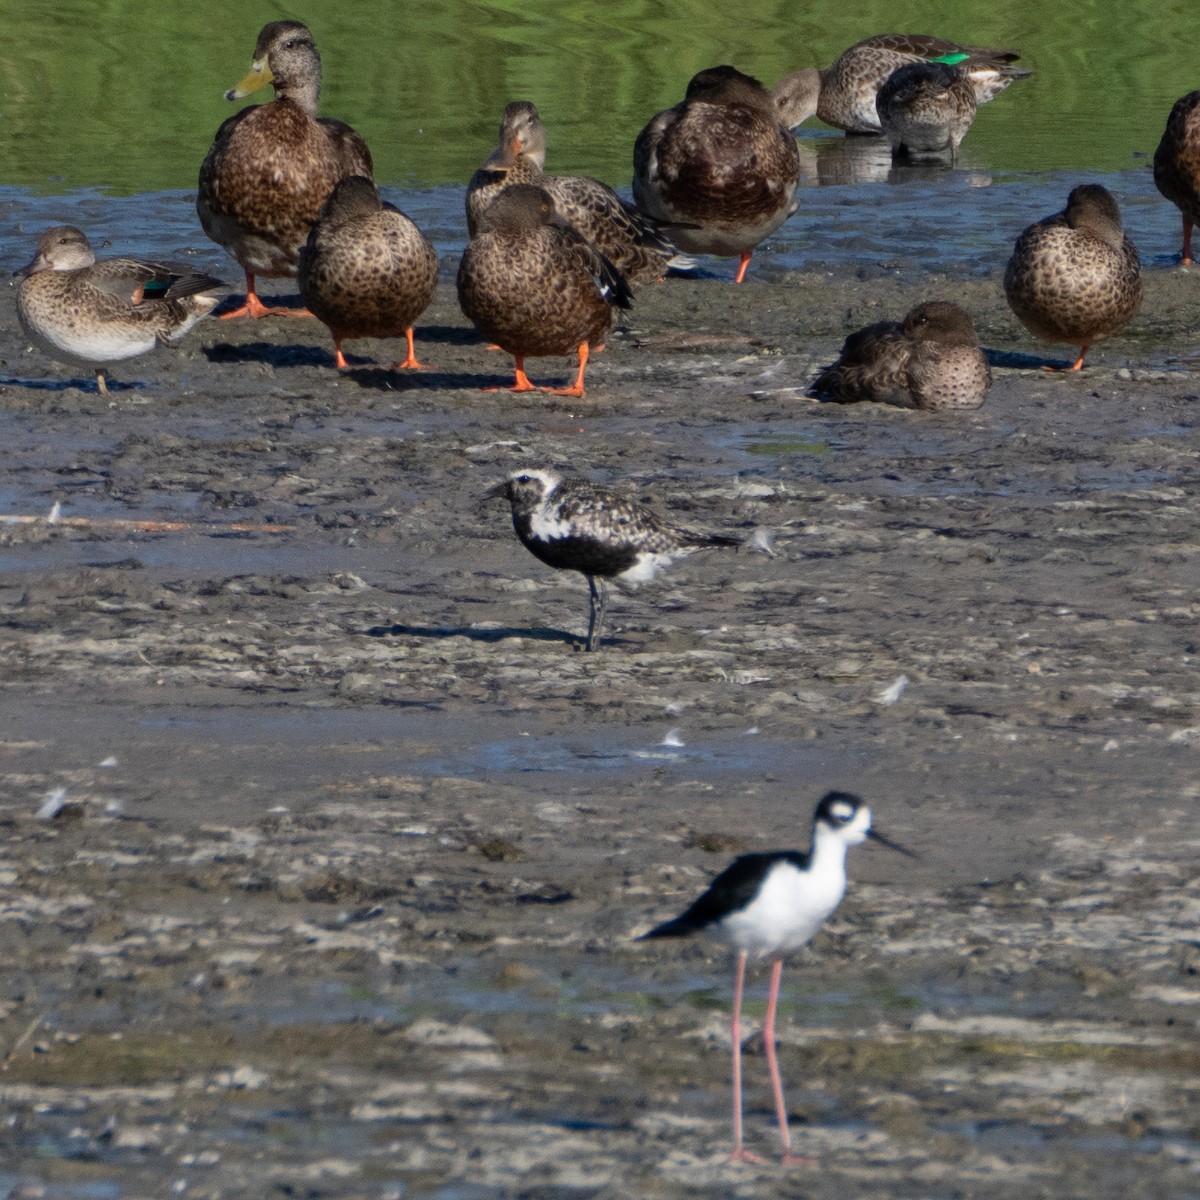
column 575, row 525
column 767, row 904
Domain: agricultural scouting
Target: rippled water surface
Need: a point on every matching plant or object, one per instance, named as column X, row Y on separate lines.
column 126, row 96
column 108, row 110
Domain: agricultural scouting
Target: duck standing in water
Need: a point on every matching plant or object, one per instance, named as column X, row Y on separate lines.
column 719, row 167
column 92, row 313
column 533, row 285
column 844, row 95
column 926, row 109
column 1075, row 277
column 1177, row 165
column 366, row 270
column 272, row 165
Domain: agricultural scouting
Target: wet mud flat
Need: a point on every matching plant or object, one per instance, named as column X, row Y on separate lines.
column 341, row 895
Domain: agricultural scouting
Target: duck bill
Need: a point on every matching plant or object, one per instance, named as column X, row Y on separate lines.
column 886, row 841
column 32, row 268
column 260, row 75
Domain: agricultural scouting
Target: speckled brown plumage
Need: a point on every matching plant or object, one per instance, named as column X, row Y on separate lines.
column 931, row 360
column 366, row 270
column 272, row 165
column 628, row 238
column 1177, row 165
column 719, row 165
column 844, row 94
column 90, row 313
column 535, row 286
column 926, row 109
column 1075, row 277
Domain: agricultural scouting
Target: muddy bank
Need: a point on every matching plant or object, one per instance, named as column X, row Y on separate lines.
column 349, row 912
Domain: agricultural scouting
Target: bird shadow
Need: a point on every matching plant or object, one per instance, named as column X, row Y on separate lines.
column 370, row 374
column 1018, row 361
column 81, row 384
column 447, row 335
column 486, row 636
column 286, row 354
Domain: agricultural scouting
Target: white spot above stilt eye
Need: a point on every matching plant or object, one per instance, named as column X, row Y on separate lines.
column 841, row 811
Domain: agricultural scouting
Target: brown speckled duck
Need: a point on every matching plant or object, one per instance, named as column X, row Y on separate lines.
column 629, row 239
column 926, row 109
column 531, row 283
column 1075, row 277
column 932, row 361
column 719, row 167
column 366, row 270
column 843, row 95
column 93, row 313
column 1177, row 165
column 272, row 165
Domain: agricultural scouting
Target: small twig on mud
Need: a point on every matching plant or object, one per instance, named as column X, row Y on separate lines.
column 144, row 526
column 15, row 1048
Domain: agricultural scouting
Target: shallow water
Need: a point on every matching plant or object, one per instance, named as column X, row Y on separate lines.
column 960, row 221
column 126, row 96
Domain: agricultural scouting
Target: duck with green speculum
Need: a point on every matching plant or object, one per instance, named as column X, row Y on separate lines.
column 367, row 270
column 844, row 95
column 719, row 167
column 1177, row 165
column 272, row 165
column 535, row 286
column 1074, row 277
column 91, row 312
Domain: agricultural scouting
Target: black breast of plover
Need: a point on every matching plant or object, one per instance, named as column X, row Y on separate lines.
column 575, row 525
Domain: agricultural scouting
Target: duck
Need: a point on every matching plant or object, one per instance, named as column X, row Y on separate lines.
column 1074, row 277
column 930, row 360
column 1177, row 165
column 628, row 238
column 91, row 312
column 719, row 167
column 272, row 165
column 844, row 94
column 925, row 109
column 533, row 285
column 366, row 269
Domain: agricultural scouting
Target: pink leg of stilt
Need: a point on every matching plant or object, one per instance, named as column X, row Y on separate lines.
column 785, row 1137
column 740, row 1154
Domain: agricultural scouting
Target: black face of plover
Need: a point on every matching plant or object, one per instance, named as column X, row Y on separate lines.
column 575, row 525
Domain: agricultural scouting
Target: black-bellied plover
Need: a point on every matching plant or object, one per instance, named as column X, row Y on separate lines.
column 768, row 904
column 575, row 525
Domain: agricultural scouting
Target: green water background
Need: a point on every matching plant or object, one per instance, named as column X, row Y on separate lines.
column 125, row 95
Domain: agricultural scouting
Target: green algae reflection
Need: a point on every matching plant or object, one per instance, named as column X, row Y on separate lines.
column 126, row 95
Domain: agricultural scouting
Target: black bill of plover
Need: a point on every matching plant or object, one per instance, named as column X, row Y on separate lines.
column 768, row 904
column 575, row 525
